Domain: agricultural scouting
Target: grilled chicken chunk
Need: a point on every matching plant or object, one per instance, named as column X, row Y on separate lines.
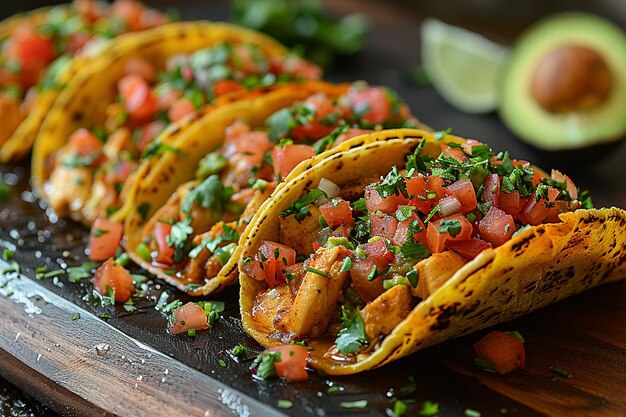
column 435, row 270
column 318, row 297
column 383, row 314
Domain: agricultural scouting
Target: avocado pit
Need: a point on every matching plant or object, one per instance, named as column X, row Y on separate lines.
column 571, row 78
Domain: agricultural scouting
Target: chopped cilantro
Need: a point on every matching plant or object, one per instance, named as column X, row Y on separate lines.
column 156, row 148
column 404, row 212
column 485, row 365
column 191, row 332
column 284, row 404
column 212, row 163
column 353, row 404
column 352, row 334
column 333, row 390
column 451, row 227
column 472, row 413
column 359, row 205
column 317, row 272
column 264, row 364
column 298, row 208
column 280, row 124
column 128, row 306
column 432, row 213
column 399, row 408
column 414, row 250
column 222, row 363
column 99, row 232
column 440, row 134
column 346, row 265
column 392, row 184
column 75, row 316
column 429, row 409
column 210, row 193
column 517, row 335
column 78, row 273
column 7, row 254
column 412, row 276
column 559, row 372
column 373, row 274
column 240, row 351
column 178, row 237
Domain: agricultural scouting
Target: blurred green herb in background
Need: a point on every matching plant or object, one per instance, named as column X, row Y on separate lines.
column 305, row 26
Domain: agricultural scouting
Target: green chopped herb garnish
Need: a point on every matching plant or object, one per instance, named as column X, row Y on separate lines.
column 299, row 207
column 75, row 316
column 352, row 334
column 284, row 404
column 472, row 413
column 559, row 372
column 222, row 363
column 346, row 265
column 335, row 389
column 429, row 409
column 317, row 271
column 451, row 227
column 353, row 404
column 414, row 250
column 264, row 364
column 191, row 332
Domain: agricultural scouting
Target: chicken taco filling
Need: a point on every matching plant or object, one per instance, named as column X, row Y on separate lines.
column 352, row 261
column 91, row 170
column 27, row 54
column 195, row 233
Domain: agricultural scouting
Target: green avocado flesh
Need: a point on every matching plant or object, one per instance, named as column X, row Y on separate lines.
column 559, row 131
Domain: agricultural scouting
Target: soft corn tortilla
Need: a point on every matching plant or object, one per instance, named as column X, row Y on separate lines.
column 541, row 265
column 20, row 142
column 82, row 102
column 158, row 178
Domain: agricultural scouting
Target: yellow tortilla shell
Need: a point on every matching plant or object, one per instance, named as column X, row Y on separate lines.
column 82, row 102
column 158, row 178
column 541, row 265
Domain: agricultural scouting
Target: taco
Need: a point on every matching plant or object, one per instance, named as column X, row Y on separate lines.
column 41, row 51
column 191, row 241
column 105, row 121
column 421, row 238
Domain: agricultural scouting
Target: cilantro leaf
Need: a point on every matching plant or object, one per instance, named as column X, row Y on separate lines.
column 414, row 250
column 178, row 237
column 298, row 208
column 352, row 335
column 264, row 364
column 210, row 193
column 451, row 227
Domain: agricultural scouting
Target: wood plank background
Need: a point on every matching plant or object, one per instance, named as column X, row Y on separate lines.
column 585, row 335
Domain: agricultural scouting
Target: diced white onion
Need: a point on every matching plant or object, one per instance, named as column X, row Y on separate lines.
column 449, row 205
column 330, row 188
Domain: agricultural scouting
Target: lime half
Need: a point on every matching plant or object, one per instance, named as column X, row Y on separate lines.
column 463, row 66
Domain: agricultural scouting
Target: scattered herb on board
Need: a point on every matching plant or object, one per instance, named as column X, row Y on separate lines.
column 353, row 404
column 284, row 404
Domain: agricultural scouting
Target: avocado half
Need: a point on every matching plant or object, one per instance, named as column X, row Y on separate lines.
column 554, row 59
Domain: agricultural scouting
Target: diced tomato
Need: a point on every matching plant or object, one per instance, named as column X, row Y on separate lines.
column 469, row 144
column 141, row 67
column 296, row 66
column 180, row 109
column 275, row 258
column 254, row 270
column 361, row 270
column 33, row 51
column 504, row 350
column 139, row 99
column 538, row 175
column 244, row 59
column 372, row 104
column 402, row 231
column 341, row 231
column 121, row 172
column 535, row 211
column 456, row 153
column 84, row 142
column 152, row 18
column 496, row 227
column 104, row 239
column 224, row 87
column 249, row 145
column 165, row 253
column 436, row 240
column 389, row 205
column 379, row 249
column 510, row 203
column 189, row 316
column 76, row 42
column 149, row 133
column 166, row 97
column 321, row 106
column 464, row 191
column 352, row 133
column 469, row 248
column 286, row 158
column 130, row 12
column 293, row 360
column 337, row 213
column 112, row 275
column 491, row 190
column 425, row 192
column 383, row 225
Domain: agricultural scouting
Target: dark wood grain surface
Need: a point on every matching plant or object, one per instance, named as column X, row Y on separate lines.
column 55, row 358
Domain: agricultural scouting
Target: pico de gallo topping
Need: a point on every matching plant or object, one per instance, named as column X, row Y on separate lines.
column 33, row 54
column 185, row 235
column 148, row 101
column 378, row 252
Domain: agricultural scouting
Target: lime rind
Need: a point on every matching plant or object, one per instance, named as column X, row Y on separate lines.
column 463, row 66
